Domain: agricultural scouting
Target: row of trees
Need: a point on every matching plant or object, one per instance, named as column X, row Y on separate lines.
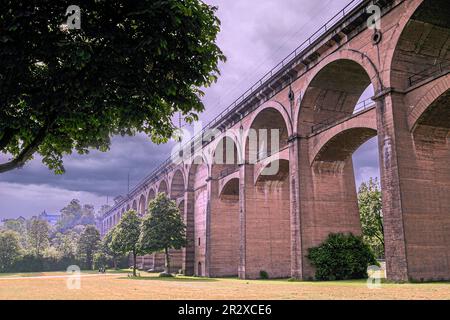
column 34, row 245
column 42, row 252
column 161, row 230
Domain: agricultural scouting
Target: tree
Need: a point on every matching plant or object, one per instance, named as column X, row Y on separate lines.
column 70, row 215
column 88, row 244
column 107, row 248
column 371, row 215
column 87, row 215
column 38, row 236
column 66, row 243
column 10, row 250
column 75, row 214
column 125, row 236
column 163, row 228
column 19, row 226
column 130, row 67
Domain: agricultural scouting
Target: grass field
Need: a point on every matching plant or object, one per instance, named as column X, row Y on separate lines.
column 116, row 285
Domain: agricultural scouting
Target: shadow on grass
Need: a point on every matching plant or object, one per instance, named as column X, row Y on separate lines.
column 155, row 277
column 23, row 274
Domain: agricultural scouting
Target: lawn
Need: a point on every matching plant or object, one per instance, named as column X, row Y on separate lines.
column 117, row 285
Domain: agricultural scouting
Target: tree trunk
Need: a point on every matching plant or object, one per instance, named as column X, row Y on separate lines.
column 89, row 262
column 167, row 264
column 134, row 263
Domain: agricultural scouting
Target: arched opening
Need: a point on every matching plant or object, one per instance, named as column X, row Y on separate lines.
column 224, row 225
column 151, row 196
column 162, row 187
column 199, row 269
column 335, row 206
column 267, row 205
column 436, row 115
column 142, row 208
column 268, row 135
column 422, row 50
column 197, row 196
column 338, row 90
column 230, row 191
column 177, row 187
column 135, row 207
column 336, row 112
column 128, row 207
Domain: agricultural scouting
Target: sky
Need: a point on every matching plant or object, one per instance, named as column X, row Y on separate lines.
column 255, row 35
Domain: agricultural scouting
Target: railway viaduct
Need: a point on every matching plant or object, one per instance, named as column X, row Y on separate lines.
column 273, row 199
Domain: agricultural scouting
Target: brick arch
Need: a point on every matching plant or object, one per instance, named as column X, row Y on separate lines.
column 236, row 137
column 274, row 168
column 366, row 120
column 338, row 147
column 177, row 184
column 440, row 88
column 276, row 106
column 228, row 185
column 141, row 207
column 198, row 160
column 226, row 157
column 266, row 116
column 163, row 187
column 334, row 86
column 151, row 195
column 409, row 50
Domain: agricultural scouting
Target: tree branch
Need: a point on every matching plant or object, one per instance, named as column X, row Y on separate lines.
column 8, row 134
column 27, row 152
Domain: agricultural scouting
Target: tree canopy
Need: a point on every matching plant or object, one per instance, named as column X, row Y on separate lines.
column 9, row 249
column 38, row 236
column 130, row 67
column 88, row 244
column 163, row 228
column 126, row 234
column 75, row 214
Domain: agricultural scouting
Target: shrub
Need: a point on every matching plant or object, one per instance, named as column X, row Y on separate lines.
column 263, row 274
column 102, row 260
column 341, row 257
column 32, row 263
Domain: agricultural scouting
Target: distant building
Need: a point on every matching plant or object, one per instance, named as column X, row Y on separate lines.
column 52, row 219
column 20, row 218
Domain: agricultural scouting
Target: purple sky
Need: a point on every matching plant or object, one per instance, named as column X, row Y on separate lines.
column 255, row 36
